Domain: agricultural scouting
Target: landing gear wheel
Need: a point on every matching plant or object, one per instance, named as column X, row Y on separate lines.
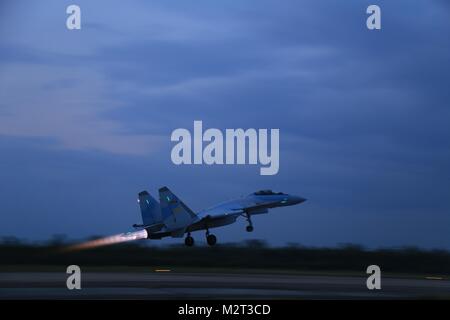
column 189, row 241
column 211, row 239
column 249, row 228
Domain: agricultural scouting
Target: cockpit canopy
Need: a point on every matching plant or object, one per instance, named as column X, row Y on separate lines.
column 267, row 193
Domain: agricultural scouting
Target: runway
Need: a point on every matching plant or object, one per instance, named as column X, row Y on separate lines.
column 172, row 285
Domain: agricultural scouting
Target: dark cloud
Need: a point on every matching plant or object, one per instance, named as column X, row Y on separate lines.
column 363, row 114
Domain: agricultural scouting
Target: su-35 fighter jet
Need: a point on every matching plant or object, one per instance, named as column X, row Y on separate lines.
column 170, row 217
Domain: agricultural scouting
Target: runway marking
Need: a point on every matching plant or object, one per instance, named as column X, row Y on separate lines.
column 434, row 278
column 162, row 270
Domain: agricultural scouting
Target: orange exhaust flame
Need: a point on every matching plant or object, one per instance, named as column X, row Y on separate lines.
column 118, row 238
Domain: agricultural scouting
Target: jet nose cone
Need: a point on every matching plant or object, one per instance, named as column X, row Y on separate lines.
column 297, row 200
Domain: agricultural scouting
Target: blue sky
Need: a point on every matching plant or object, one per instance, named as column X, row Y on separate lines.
column 86, row 116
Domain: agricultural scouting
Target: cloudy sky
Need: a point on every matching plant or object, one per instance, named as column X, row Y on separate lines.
column 86, row 115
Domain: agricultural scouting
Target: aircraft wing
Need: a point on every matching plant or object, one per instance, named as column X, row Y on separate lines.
column 225, row 213
column 220, row 212
column 233, row 208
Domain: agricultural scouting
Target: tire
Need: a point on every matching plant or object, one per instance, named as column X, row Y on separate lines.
column 189, row 241
column 211, row 239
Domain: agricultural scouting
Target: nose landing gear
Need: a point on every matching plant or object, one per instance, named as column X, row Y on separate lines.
column 189, row 241
column 249, row 228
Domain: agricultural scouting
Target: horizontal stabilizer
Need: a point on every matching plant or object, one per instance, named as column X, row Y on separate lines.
column 150, row 227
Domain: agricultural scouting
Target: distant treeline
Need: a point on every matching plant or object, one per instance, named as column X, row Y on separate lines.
column 253, row 254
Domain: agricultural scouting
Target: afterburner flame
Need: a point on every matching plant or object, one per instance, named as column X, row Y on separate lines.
column 118, row 238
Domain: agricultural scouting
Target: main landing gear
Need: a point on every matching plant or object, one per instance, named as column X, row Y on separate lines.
column 210, row 238
column 189, row 241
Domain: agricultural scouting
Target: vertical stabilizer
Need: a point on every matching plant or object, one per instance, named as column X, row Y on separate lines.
column 175, row 214
column 150, row 209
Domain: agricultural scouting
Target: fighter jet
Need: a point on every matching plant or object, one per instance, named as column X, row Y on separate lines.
column 170, row 217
